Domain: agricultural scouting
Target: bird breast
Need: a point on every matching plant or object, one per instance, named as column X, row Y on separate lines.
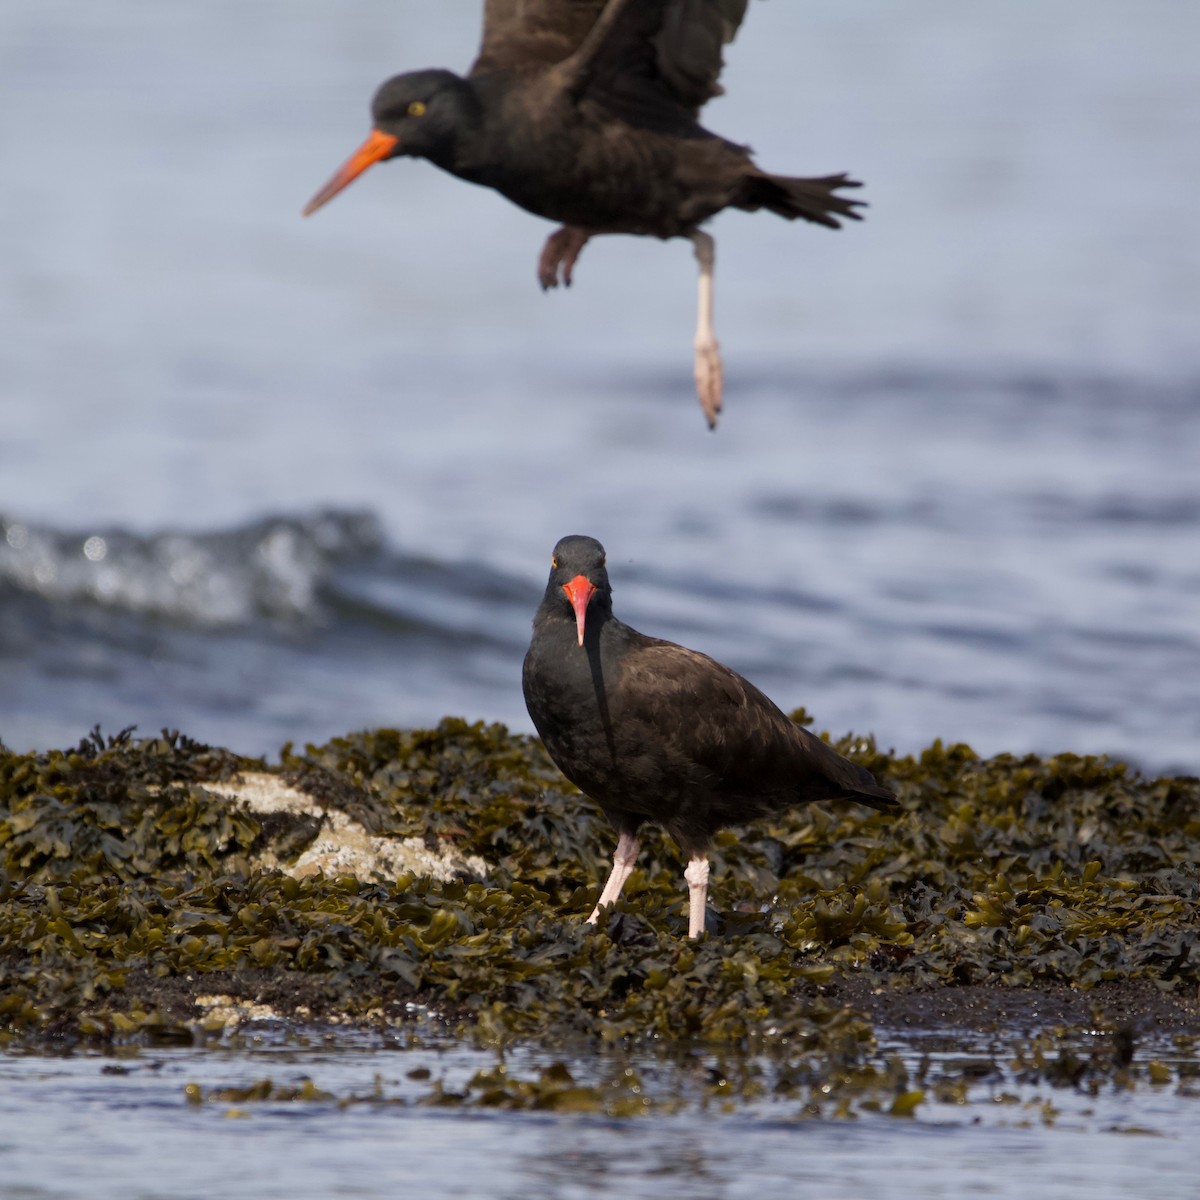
column 613, row 751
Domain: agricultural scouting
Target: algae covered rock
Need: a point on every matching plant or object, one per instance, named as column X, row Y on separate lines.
column 140, row 875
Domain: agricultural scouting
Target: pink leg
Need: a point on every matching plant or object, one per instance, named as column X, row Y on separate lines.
column 710, row 375
column 624, row 858
column 560, row 252
column 696, row 874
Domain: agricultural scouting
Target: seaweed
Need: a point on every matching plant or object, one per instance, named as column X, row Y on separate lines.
column 131, row 885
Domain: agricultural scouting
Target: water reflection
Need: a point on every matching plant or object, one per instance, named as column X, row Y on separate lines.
column 116, row 1122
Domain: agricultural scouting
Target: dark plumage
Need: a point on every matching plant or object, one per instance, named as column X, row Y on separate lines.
column 652, row 731
column 586, row 112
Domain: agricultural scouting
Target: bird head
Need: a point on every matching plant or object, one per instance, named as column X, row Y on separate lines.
column 578, row 581
column 420, row 114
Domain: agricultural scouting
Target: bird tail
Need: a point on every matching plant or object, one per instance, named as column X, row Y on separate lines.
column 859, row 784
column 873, row 796
column 813, row 199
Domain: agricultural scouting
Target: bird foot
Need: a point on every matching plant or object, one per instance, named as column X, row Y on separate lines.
column 710, row 379
column 558, row 256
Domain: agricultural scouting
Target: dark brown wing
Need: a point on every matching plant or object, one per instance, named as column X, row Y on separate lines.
column 729, row 729
column 523, row 34
column 688, row 47
column 654, row 55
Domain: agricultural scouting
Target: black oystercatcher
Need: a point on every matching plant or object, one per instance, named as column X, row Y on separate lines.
column 655, row 732
column 585, row 112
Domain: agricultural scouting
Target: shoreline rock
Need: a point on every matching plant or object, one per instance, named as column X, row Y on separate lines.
column 341, row 846
column 157, row 889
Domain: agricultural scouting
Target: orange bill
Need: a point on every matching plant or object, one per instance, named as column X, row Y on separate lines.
column 376, row 148
column 580, row 591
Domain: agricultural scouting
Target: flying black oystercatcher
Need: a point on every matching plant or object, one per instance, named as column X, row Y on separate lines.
column 586, row 112
column 653, row 731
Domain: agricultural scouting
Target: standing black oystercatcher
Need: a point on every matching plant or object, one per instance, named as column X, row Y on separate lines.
column 586, row 112
column 655, row 732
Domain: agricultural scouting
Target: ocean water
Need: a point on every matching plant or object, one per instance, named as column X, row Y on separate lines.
column 267, row 479
column 122, row 1126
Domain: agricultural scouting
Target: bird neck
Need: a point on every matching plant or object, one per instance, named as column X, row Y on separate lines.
column 556, row 621
column 493, row 139
column 454, row 137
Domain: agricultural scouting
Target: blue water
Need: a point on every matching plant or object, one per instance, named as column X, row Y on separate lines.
column 123, row 1127
column 267, row 479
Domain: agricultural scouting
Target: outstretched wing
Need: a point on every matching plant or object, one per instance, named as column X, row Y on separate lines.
column 523, row 34
column 689, row 46
column 651, row 56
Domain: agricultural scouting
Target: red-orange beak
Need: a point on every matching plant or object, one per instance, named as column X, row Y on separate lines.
column 580, row 592
column 377, row 147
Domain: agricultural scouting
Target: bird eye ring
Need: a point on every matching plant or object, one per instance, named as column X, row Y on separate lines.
column 416, row 108
column 554, row 564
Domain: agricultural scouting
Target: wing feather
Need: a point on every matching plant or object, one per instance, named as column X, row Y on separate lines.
column 731, row 729
column 524, row 34
column 658, row 55
column 688, row 48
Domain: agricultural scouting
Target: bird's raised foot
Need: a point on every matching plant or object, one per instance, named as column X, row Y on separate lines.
column 557, row 260
column 710, row 379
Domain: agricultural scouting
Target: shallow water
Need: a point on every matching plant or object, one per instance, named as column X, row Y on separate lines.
column 122, row 1126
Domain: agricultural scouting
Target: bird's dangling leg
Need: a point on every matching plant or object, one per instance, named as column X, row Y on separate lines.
column 624, row 858
column 696, row 874
column 710, row 376
column 559, row 253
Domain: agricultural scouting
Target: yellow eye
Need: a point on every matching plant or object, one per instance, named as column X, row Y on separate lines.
column 554, row 564
column 416, row 108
